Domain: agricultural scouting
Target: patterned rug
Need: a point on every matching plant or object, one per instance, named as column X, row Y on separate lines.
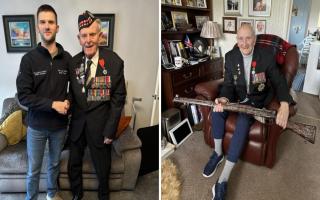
column 170, row 181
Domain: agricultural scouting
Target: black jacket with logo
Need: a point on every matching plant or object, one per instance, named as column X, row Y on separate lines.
column 40, row 81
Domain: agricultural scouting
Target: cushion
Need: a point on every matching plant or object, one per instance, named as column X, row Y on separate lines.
column 12, row 107
column 3, row 142
column 123, row 124
column 13, row 128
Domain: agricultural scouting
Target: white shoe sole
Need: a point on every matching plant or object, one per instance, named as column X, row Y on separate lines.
column 208, row 176
column 213, row 192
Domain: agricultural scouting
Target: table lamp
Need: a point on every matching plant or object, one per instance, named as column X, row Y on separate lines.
column 211, row 31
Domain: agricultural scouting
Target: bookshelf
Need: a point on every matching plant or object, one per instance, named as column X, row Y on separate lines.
column 167, row 9
column 182, row 81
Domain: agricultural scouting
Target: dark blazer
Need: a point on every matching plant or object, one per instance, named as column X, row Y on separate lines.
column 260, row 93
column 99, row 118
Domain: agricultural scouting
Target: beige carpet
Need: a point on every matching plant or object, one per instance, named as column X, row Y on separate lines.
column 295, row 176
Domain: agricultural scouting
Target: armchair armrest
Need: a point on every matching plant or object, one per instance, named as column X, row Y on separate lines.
column 275, row 104
column 208, row 89
column 127, row 141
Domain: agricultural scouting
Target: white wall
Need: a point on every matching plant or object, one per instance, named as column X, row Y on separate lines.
column 277, row 23
column 135, row 40
column 314, row 16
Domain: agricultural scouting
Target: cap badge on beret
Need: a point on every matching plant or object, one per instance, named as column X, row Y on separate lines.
column 85, row 20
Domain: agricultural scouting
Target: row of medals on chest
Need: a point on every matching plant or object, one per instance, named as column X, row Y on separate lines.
column 100, row 82
column 257, row 78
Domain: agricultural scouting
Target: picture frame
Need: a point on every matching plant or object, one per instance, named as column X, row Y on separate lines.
column 177, row 2
column 191, row 3
column 201, row 3
column 107, row 28
column 229, row 25
column 233, row 7
column 260, row 8
column 200, row 20
column 260, row 26
column 245, row 21
column 19, row 32
column 217, row 52
column 179, row 18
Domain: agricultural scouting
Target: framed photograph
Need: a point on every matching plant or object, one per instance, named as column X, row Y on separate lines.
column 191, row 3
column 233, row 7
column 201, row 3
column 259, row 7
column 245, row 21
column 19, row 32
column 260, row 26
column 179, row 18
column 200, row 20
column 217, row 52
column 107, row 28
column 229, row 24
column 177, row 2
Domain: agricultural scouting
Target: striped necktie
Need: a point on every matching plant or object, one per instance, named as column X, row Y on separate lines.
column 88, row 72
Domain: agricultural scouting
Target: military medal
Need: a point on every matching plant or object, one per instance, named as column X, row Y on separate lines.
column 101, row 62
column 261, row 87
column 235, row 77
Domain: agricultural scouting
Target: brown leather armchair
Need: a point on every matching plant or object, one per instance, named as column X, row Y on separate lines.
column 262, row 139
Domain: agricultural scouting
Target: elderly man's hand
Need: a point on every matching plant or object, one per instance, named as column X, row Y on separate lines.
column 283, row 114
column 219, row 104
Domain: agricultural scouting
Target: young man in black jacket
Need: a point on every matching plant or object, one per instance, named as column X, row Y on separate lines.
column 42, row 87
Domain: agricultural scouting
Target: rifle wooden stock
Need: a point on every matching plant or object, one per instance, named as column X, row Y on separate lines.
column 305, row 131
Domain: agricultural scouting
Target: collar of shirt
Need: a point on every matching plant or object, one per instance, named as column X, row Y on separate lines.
column 247, row 59
column 94, row 64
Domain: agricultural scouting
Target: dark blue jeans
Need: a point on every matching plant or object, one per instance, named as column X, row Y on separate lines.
column 240, row 134
column 36, row 143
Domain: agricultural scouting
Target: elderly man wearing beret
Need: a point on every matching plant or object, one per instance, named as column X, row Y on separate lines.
column 98, row 96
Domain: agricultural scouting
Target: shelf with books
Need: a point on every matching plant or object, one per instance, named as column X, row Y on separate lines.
column 180, row 36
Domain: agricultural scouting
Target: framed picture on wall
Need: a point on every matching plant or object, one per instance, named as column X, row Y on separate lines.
column 259, row 7
column 245, row 21
column 229, row 24
column 260, row 26
column 233, row 7
column 19, row 32
column 107, row 28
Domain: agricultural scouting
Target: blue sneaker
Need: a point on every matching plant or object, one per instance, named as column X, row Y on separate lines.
column 212, row 165
column 219, row 191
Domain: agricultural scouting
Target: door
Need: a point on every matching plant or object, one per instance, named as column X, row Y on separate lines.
column 299, row 20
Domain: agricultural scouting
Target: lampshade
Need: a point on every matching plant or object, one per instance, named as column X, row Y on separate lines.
column 210, row 29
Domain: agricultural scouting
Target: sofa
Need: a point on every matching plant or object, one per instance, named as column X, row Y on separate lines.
column 126, row 158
